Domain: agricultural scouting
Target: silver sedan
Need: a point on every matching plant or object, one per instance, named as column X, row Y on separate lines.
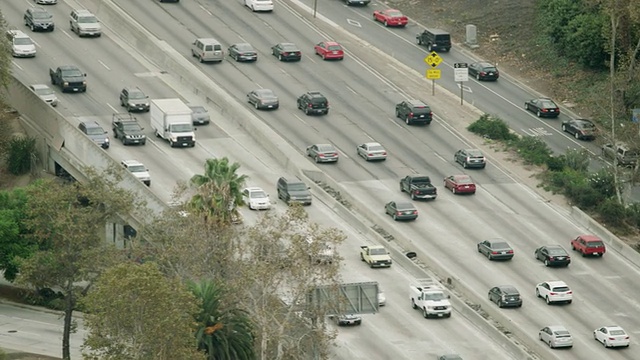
column 372, row 151
column 263, row 99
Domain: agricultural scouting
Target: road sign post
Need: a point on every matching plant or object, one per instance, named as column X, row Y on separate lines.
column 433, row 60
column 461, row 75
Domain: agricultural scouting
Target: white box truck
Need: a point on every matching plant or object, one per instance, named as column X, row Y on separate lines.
column 171, row 120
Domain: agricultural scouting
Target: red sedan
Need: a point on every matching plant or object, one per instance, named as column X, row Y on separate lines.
column 390, row 17
column 460, row 184
column 329, row 50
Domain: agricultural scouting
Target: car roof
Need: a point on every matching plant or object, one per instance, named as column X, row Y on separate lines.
column 372, row 144
column 554, row 247
column 131, row 162
column 83, row 12
column 325, row 146
column 473, row 151
column 208, row 40
column 404, row 205
column 254, row 188
column 462, row 177
column 613, row 327
column 485, row 64
column 18, row 33
column 91, row 124
column 330, row 43
column 556, row 283
column 497, row 240
column 589, row 238
column 39, row 86
column 416, row 102
column 438, row 31
column 243, row 45
column 555, row 328
column 509, row 289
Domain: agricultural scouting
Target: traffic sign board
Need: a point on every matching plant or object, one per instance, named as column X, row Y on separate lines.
column 460, row 72
column 433, row 74
column 433, row 59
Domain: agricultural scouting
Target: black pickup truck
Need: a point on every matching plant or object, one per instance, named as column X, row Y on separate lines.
column 69, row 78
column 127, row 128
column 418, row 187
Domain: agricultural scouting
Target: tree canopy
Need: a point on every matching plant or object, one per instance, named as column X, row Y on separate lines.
column 15, row 241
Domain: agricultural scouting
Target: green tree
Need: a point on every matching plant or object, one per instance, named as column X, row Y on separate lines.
column 218, row 190
column 136, row 313
column 67, row 220
column 224, row 331
column 15, row 241
column 5, row 54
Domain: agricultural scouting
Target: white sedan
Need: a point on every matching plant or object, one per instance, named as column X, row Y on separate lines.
column 611, row 336
column 259, row 5
column 372, row 151
column 256, row 198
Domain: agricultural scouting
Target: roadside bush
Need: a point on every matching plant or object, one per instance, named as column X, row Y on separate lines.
column 633, row 215
column 612, row 212
column 20, row 153
column 577, row 159
column 492, row 128
column 533, row 150
column 556, row 163
column 603, row 182
column 560, row 181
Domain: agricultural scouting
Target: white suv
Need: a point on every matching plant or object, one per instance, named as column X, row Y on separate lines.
column 259, row 5
column 138, row 170
column 84, row 23
column 554, row 291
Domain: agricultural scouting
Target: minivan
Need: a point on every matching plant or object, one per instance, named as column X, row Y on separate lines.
column 208, row 49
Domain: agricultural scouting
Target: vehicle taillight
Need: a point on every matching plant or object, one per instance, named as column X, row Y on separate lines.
column 510, row 252
column 569, row 292
column 398, row 212
column 285, row 53
column 384, row 153
column 410, row 115
column 550, row 258
column 417, row 192
column 468, row 159
column 430, row 114
column 482, row 73
column 552, row 293
column 612, row 338
column 321, row 155
column 309, row 106
column 415, row 212
column 494, row 253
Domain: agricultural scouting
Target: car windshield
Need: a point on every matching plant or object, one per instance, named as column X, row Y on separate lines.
column 265, row 93
column 244, row 47
column 595, row 244
column 556, row 251
column 475, row 153
column 378, row 252
column 394, row 14
column 258, row 195
column 137, row 168
column 198, row 109
column 500, row 245
column 71, row 73
column 131, row 126
column 41, row 15
column 22, row 41
column 87, row 20
column 181, row 128
column 44, row 91
column 289, row 47
column 95, row 131
column 585, row 124
column 297, row 187
column 405, row 206
column 325, row 148
column 376, row 148
column 334, row 47
column 435, row 296
column 136, row 95
column 463, row 179
column 490, row 69
column 560, row 289
column 547, row 104
column 617, row 332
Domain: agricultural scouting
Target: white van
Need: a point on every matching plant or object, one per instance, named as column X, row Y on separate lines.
column 21, row 44
column 208, row 49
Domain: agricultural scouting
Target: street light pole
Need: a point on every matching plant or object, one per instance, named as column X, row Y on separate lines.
column 315, row 8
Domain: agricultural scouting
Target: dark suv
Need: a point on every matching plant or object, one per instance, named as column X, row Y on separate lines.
column 134, row 99
column 505, row 295
column 414, row 112
column 313, row 102
column 38, row 19
column 293, row 191
column 435, row 40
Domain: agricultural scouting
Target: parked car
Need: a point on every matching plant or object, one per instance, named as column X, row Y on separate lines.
column 588, row 245
column 286, row 52
column 470, row 158
column 400, row 210
column 484, row 71
column 505, row 296
column 553, row 255
column 542, row 107
column 556, row 336
column 581, row 129
column 243, row 52
column 390, row 17
column 554, row 291
column 329, row 50
column 45, row 93
column 348, row 319
column 495, row 249
column 263, row 99
column 256, row 198
column 460, row 184
column 371, row 151
column 612, row 336
column 323, row 153
column 199, row 115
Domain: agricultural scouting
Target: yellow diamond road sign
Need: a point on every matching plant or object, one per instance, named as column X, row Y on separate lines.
column 433, row 59
column 433, row 74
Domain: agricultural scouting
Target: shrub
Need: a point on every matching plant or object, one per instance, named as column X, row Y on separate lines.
column 603, row 181
column 492, row 128
column 533, row 150
column 633, row 215
column 20, row 153
column 577, row 159
column 556, row 163
column 612, row 212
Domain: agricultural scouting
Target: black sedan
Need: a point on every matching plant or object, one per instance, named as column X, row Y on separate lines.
column 401, row 210
column 495, row 249
column 263, row 99
column 323, row 153
column 243, row 52
column 553, row 255
column 505, row 295
column 543, row 107
column 484, row 71
column 581, row 129
column 286, row 52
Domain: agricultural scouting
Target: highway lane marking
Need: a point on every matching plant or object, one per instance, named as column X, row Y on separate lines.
column 66, row 33
column 440, row 157
column 105, row 65
column 536, row 132
column 16, row 64
column 205, row 10
column 301, row 120
column 112, row 108
column 350, row 89
column 465, row 88
column 353, row 23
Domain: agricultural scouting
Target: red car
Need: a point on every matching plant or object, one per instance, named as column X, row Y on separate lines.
column 329, row 50
column 390, row 17
column 588, row 245
column 460, row 184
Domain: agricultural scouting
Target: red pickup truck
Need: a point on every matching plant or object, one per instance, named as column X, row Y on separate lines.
column 588, row 245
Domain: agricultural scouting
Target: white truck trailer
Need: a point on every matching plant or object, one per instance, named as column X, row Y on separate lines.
column 428, row 295
column 171, row 120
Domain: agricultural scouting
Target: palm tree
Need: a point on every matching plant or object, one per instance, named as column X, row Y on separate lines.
column 219, row 190
column 222, row 333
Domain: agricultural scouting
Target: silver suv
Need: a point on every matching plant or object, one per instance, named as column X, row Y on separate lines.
column 626, row 155
column 84, row 23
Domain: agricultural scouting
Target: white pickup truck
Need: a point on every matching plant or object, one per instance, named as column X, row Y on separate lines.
column 429, row 296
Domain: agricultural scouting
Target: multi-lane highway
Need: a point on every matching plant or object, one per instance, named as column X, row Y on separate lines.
column 111, row 63
column 362, row 110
